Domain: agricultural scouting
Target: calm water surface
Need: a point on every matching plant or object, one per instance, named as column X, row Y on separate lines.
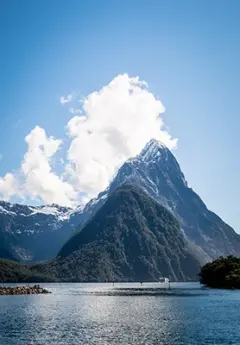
column 125, row 314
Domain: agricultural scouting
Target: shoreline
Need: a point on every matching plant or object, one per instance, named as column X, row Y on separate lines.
column 22, row 290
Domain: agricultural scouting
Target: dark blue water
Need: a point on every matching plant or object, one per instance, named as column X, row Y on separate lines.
column 125, row 314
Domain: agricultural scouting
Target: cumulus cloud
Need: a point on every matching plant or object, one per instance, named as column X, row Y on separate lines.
column 40, row 181
column 112, row 125
column 35, row 179
column 8, row 186
column 66, row 100
column 119, row 120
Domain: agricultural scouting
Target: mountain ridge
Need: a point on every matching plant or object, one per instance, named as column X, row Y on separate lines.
column 131, row 238
column 37, row 233
column 157, row 171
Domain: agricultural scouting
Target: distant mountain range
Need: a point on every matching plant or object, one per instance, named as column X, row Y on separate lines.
column 35, row 234
column 32, row 233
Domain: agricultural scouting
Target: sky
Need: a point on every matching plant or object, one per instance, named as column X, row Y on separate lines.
column 85, row 84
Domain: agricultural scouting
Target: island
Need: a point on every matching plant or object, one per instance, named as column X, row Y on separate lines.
column 23, row 290
column 222, row 273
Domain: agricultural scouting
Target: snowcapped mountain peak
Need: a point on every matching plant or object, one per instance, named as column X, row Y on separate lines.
column 152, row 150
column 37, row 233
column 154, row 144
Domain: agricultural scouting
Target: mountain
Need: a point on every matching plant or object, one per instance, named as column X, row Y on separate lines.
column 131, row 238
column 12, row 271
column 157, row 171
column 33, row 233
column 37, row 233
column 5, row 250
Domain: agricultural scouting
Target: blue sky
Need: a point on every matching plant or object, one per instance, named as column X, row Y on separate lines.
column 187, row 51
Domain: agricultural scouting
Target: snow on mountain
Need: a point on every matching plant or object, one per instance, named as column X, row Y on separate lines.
column 38, row 233
column 61, row 213
column 157, row 171
column 34, row 233
column 5, row 211
column 152, row 150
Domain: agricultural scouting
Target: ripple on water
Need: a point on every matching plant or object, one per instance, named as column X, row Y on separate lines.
column 124, row 314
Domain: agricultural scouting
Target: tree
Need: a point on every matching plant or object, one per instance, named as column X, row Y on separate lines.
column 221, row 273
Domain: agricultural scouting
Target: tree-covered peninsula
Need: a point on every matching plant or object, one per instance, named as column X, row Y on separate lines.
column 223, row 273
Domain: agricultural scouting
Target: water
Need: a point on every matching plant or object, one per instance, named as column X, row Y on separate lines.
column 126, row 314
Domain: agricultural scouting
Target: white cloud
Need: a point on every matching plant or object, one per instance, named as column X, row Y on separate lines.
column 40, row 181
column 8, row 186
column 117, row 122
column 66, row 100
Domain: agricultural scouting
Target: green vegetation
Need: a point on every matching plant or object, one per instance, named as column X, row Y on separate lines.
column 223, row 273
column 13, row 272
column 131, row 238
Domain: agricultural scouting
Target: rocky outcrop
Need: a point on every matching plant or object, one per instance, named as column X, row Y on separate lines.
column 23, row 290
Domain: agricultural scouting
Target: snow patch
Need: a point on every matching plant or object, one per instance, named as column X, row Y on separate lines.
column 51, row 210
column 3, row 210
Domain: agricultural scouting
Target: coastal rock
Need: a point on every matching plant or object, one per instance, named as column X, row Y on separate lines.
column 23, row 290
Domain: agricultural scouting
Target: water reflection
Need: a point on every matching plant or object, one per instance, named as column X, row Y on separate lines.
column 123, row 314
